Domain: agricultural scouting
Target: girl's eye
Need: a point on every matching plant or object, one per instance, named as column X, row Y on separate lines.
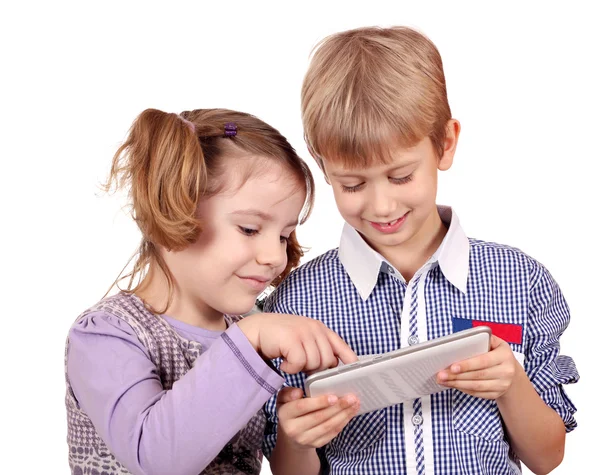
column 248, row 231
column 284, row 239
column 352, row 189
column 402, row 181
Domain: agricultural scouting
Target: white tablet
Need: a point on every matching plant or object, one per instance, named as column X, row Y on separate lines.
column 398, row 376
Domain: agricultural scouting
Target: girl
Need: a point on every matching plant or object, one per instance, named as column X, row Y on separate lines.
column 165, row 377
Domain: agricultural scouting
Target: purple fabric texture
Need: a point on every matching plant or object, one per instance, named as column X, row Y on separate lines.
column 147, row 394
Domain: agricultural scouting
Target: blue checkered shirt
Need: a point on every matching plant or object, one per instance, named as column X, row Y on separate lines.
column 358, row 294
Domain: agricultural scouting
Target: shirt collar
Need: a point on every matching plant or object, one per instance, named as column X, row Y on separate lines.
column 453, row 253
column 363, row 264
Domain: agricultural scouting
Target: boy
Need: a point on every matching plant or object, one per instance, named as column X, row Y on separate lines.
column 378, row 123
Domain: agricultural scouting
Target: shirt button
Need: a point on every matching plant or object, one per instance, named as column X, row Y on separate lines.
column 417, row 420
column 413, row 340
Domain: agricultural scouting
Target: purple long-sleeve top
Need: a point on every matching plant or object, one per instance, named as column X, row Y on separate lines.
column 152, row 430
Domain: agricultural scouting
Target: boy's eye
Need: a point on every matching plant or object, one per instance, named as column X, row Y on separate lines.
column 248, row 231
column 401, row 181
column 352, row 189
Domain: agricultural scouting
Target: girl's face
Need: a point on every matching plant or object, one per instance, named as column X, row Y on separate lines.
column 242, row 246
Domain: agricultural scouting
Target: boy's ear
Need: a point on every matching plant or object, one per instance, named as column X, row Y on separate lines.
column 450, row 142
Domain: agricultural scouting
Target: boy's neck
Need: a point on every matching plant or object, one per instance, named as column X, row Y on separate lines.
column 410, row 256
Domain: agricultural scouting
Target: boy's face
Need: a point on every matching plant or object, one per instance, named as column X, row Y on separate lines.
column 394, row 204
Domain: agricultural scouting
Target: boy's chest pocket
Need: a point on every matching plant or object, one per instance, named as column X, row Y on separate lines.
column 361, row 432
column 476, row 416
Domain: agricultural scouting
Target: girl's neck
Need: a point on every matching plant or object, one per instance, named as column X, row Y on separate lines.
column 154, row 291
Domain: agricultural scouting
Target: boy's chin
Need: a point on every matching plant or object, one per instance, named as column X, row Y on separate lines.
column 375, row 238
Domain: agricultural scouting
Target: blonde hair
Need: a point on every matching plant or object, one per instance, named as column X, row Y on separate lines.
column 170, row 162
column 370, row 89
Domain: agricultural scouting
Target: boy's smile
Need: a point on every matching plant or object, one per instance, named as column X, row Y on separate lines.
column 390, row 227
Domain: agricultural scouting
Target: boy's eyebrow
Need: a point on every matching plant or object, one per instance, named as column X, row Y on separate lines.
column 260, row 214
column 356, row 173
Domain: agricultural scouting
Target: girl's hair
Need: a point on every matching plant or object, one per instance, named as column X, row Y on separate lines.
column 370, row 89
column 170, row 162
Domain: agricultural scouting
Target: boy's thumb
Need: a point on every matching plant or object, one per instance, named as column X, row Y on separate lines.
column 288, row 395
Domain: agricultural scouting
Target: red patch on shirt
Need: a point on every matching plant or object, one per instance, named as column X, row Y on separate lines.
column 509, row 332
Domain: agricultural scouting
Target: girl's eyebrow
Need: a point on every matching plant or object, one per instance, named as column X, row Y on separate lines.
column 260, row 214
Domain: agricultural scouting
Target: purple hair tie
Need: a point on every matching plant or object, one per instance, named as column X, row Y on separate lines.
column 230, row 129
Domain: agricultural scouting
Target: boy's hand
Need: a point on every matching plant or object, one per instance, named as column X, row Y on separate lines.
column 309, row 423
column 487, row 376
column 303, row 343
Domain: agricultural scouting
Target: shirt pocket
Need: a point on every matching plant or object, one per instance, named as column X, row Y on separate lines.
column 476, row 416
column 361, row 432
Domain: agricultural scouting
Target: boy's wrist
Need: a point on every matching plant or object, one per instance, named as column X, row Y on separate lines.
column 287, row 443
column 291, row 458
column 519, row 384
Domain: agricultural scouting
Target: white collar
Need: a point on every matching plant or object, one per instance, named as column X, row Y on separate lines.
column 363, row 264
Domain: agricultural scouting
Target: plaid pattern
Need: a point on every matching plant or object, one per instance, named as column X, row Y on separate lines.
column 173, row 356
column 465, row 434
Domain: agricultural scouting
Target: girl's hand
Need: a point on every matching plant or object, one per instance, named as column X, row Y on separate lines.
column 308, row 423
column 487, row 376
column 303, row 343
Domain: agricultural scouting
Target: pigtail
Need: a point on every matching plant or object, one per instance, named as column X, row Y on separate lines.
column 168, row 176
column 162, row 164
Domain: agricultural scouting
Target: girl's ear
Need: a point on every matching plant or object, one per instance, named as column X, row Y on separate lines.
column 450, row 142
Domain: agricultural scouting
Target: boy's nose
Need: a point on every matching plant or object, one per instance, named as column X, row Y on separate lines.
column 383, row 203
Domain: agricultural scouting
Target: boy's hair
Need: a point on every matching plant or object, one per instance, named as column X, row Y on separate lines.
column 170, row 162
column 368, row 90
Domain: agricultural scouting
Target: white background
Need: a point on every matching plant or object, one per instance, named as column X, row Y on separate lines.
column 522, row 79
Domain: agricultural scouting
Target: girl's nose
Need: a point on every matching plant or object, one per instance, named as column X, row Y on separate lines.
column 272, row 252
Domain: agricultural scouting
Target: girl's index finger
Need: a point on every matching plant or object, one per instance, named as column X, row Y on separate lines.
column 341, row 349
